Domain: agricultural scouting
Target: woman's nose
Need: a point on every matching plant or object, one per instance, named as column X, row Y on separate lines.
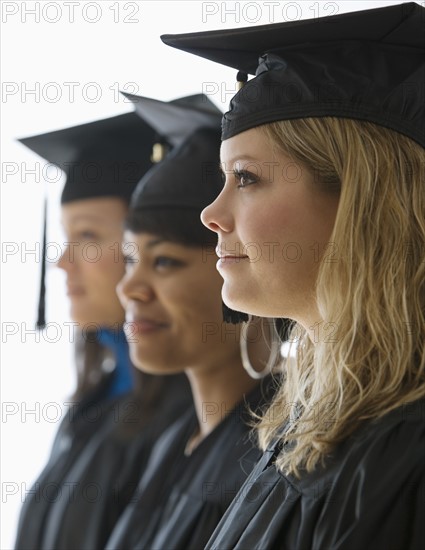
column 68, row 259
column 131, row 287
column 217, row 215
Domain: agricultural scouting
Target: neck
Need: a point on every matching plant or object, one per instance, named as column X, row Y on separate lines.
column 216, row 391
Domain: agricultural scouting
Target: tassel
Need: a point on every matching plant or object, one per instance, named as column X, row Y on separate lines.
column 232, row 316
column 241, row 79
column 41, row 320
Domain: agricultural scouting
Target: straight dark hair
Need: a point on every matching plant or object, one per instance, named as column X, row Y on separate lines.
column 182, row 226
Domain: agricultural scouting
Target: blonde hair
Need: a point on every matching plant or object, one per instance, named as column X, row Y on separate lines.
column 372, row 299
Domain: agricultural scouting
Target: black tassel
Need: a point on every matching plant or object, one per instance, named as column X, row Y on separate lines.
column 41, row 320
column 242, row 79
column 232, row 316
column 284, row 327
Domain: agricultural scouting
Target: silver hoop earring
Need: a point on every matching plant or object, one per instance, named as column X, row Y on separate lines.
column 274, row 353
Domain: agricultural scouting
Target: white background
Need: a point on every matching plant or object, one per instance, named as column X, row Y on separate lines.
column 100, row 47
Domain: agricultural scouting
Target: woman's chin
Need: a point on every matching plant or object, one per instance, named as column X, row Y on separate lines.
column 154, row 369
column 151, row 365
column 235, row 301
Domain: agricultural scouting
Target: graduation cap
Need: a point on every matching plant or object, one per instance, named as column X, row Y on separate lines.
column 102, row 158
column 176, row 120
column 182, row 178
column 366, row 65
column 105, row 158
column 188, row 178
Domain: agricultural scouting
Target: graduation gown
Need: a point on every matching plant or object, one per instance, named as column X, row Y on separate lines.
column 369, row 495
column 73, row 437
column 96, row 462
column 181, row 498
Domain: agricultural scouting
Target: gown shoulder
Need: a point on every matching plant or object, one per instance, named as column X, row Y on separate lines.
column 369, row 494
column 182, row 497
column 99, row 453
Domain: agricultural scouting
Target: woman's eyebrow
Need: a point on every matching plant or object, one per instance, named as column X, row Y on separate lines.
column 87, row 217
column 238, row 159
column 154, row 242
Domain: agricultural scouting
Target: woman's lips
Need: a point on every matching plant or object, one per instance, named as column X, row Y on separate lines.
column 143, row 326
column 75, row 291
column 228, row 261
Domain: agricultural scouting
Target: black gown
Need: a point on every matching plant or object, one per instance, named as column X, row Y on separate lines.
column 369, row 496
column 94, row 468
column 181, row 498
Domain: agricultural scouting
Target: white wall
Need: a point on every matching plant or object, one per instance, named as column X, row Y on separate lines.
column 101, row 47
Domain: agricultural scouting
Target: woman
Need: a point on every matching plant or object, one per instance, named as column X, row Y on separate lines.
column 104, row 441
column 323, row 154
column 171, row 293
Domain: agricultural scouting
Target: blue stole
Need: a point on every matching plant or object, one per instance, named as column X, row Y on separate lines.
column 122, row 378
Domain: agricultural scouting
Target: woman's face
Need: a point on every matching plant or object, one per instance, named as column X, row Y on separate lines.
column 93, row 259
column 172, row 297
column 273, row 227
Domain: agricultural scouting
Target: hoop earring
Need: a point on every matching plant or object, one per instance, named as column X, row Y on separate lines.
column 274, row 353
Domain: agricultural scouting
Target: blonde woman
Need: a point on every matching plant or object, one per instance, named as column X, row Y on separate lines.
column 323, row 155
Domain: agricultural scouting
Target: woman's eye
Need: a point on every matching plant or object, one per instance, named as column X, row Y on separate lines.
column 89, row 235
column 164, row 262
column 244, row 178
column 129, row 260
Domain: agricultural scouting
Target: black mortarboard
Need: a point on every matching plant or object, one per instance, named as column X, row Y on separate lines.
column 176, row 120
column 100, row 159
column 366, row 65
column 188, row 177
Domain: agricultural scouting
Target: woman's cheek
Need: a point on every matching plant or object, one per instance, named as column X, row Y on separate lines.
column 110, row 256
